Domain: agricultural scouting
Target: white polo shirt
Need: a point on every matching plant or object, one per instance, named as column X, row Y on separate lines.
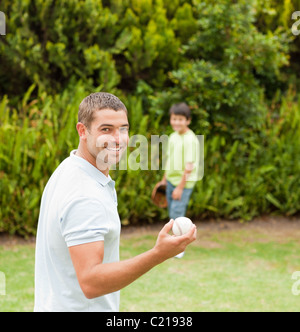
column 79, row 205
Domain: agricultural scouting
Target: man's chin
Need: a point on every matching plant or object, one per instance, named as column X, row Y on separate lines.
column 108, row 159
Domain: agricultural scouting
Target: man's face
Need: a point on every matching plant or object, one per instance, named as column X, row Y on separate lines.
column 108, row 137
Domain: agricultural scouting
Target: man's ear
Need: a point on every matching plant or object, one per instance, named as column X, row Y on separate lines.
column 82, row 130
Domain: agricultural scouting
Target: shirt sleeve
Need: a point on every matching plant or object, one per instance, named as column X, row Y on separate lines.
column 83, row 220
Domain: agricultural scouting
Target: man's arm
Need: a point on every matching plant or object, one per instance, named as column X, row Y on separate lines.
column 97, row 279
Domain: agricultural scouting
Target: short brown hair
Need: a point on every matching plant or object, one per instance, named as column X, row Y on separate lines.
column 181, row 109
column 96, row 102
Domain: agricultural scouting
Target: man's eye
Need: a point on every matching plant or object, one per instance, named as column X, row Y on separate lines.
column 124, row 130
column 105, row 130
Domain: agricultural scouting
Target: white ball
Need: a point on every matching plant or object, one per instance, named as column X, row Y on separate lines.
column 181, row 226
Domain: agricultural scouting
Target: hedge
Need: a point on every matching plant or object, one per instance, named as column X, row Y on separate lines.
column 232, row 61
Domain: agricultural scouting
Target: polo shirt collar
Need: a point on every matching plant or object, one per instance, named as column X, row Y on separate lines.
column 91, row 170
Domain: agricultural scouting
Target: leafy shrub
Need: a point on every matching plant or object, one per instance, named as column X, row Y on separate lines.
column 243, row 178
column 257, row 175
column 34, row 140
column 229, row 60
column 232, row 64
column 113, row 45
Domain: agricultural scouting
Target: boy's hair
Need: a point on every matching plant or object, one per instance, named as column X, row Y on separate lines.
column 181, row 109
column 95, row 102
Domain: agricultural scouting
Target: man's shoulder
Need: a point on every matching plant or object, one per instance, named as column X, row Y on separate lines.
column 69, row 180
column 66, row 172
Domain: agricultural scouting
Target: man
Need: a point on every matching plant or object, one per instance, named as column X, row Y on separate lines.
column 77, row 250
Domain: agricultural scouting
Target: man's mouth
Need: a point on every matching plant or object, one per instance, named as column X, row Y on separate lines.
column 113, row 149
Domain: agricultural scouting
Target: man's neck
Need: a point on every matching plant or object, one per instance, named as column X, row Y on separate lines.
column 88, row 157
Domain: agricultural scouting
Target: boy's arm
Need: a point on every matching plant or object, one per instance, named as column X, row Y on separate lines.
column 177, row 193
column 97, row 278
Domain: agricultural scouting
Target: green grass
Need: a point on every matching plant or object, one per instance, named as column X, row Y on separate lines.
column 232, row 276
column 17, row 263
column 230, row 270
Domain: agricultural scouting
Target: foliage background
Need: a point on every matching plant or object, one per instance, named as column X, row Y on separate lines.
column 235, row 63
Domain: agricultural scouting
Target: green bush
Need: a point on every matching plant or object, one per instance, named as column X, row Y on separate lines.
column 231, row 61
column 232, row 65
column 35, row 138
column 116, row 44
column 243, row 178
column 107, row 43
column 248, row 178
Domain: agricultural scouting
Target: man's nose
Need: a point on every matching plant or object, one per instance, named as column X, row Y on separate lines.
column 116, row 136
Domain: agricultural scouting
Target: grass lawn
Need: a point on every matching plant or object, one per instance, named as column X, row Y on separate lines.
column 231, row 267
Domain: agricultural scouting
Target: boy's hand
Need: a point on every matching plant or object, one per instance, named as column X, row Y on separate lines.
column 177, row 193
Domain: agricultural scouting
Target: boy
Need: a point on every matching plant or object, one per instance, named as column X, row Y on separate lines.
column 77, row 266
column 182, row 161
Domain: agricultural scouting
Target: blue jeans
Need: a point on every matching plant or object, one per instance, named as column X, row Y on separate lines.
column 177, row 208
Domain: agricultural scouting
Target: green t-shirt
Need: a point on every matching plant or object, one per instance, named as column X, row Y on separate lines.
column 182, row 149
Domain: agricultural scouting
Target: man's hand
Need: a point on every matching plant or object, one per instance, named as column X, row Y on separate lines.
column 168, row 246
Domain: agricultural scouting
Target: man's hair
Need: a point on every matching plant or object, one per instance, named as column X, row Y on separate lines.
column 96, row 102
column 181, row 109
